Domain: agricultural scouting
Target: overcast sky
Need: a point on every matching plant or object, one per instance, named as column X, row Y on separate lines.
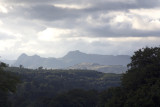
column 51, row 28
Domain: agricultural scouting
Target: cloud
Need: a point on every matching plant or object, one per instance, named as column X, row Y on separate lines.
column 4, row 36
column 3, row 9
column 52, row 13
column 54, row 27
column 104, row 18
column 53, row 34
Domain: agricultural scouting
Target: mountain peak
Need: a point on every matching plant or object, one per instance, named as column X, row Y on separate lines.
column 75, row 53
column 23, row 55
column 35, row 55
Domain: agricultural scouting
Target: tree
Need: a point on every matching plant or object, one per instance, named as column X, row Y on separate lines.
column 144, row 66
column 40, row 68
column 21, row 66
column 141, row 83
column 75, row 98
column 8, row 83
column 142, row 80
column 113, row 97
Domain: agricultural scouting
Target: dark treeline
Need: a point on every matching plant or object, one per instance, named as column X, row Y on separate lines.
column 46, row 88
column 8, row 84
column 139, row 86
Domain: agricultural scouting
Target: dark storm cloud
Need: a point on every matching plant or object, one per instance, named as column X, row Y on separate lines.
column 127, row 32
column 43, row 12
column 108, row 6
column 137, row 3
column 101, row 4
column 29, row 1
column 48, row 13
column 52, row 13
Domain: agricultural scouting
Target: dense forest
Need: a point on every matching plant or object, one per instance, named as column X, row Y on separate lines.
column 138, row 87
column 41, row 86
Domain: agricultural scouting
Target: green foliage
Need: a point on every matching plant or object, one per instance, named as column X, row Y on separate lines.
column 43, row 88
column 8, row 80
column 8, row 84
column 145, row 65
column 113, row 97
column 75, row 98
column 141, row 84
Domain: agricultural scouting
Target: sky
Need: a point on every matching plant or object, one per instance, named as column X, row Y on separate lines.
column 52, row 28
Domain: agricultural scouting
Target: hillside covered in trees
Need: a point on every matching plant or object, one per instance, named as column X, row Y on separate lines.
column 138, row 87
column 44, row 85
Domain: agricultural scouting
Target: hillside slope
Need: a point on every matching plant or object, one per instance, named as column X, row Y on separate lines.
column 118, row 69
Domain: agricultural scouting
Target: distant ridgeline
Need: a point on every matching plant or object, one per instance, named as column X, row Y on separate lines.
column 75, row 60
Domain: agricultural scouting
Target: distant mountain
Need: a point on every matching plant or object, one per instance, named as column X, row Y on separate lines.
column 72, row 58
column 36, row 61
column 76, row 57
column 118, row 69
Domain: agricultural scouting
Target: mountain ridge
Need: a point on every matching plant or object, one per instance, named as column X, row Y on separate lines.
column 70, row 59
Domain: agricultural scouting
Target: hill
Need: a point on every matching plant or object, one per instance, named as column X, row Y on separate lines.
column 118, row 69
column 39, row 87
